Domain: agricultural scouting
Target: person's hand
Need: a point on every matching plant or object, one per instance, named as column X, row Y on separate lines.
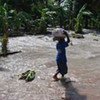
column 65, row 33
column 54, row 38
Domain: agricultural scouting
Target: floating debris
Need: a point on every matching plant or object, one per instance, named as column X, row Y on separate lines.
column 95, row 40
column 79, row 36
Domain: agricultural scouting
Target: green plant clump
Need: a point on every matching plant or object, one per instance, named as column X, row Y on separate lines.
column 28, row 75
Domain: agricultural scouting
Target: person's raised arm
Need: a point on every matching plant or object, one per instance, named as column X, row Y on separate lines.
column 65, row 33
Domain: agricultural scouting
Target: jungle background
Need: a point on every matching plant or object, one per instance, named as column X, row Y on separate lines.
column 26, row 44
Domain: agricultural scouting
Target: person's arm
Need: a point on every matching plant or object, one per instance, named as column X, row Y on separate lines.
column 65, row 33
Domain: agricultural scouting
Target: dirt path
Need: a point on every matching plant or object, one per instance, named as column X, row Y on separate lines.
column 38, row 53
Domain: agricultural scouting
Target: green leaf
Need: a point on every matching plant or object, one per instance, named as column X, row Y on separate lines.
column 87, row 13
column 3, row 11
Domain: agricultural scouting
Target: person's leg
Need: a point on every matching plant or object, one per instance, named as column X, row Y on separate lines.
column 55, row 76
column 62, row 75
column 57, row 72
column 63, row 69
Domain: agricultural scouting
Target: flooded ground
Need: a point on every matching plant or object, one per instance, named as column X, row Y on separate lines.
column 38, row 53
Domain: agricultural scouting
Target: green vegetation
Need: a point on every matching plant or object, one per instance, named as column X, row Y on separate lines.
column 19, row 17
column 29, row 75
column 4, row 28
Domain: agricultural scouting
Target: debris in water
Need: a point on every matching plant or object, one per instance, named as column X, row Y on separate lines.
column 28, row 75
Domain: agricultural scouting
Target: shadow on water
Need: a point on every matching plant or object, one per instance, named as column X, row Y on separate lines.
column 4, row 69
column 71, row 93
column 10, row 53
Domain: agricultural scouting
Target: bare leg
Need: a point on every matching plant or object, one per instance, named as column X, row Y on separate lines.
column 55, row 76
column 62, row 76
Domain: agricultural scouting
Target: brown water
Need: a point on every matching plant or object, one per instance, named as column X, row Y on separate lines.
column 38, row 53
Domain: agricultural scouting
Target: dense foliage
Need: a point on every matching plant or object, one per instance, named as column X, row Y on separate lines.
column 19, row 17
column 34, row 16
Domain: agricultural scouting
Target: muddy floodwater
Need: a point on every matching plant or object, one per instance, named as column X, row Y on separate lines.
column 38, row 53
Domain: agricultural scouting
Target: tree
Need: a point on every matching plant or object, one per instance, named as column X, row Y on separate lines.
column 4, row 28
column 79, row 18
column 17, row 20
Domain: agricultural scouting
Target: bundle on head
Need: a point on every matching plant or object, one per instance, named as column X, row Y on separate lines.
column 58, row 32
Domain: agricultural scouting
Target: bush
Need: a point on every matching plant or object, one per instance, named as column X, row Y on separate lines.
column 78, row 28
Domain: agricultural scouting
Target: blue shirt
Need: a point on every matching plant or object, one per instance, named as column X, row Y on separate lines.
column 61, row 51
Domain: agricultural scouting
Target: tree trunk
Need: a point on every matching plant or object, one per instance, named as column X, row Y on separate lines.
column 5, row 39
